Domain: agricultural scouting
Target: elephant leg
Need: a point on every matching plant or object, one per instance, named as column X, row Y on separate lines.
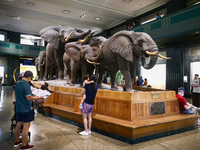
column 132, row 69
column 101, row 72
column 125, row 69
column 49, row 59
column 83, row 71
column 74, row 67
column 113, row 83
column 59, row 63
column 47, row 67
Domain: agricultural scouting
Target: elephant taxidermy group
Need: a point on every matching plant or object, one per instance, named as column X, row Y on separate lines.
column 120, row 52
column 57, row 37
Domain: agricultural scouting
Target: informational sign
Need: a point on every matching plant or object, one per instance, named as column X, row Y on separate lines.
column 27, row 62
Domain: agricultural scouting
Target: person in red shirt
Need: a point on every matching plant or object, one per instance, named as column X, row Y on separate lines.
column 185, row 107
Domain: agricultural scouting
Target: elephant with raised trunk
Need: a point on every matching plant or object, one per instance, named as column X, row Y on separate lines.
column 74, row 60
column 57, row 36
column 121, row 52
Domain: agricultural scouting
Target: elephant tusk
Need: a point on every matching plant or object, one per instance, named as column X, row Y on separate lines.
column 93, row 62
column 67, row 39
column 151, row 53
column 84, row 40
column 42, row 63
column 36, row 63
column 163, row 57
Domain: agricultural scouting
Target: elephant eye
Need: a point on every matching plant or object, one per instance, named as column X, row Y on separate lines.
column 140, row 41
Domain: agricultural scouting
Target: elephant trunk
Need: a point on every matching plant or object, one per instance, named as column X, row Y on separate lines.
column 73, row 36
column 41, row 60
column 94, row 58
column 153, row 59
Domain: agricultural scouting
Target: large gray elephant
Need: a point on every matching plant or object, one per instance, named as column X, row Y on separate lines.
column 74, row 60
column 57, row 36
column 40, row 64
column 121, row 52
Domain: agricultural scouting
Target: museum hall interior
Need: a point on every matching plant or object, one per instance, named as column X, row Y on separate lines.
column 99, row 74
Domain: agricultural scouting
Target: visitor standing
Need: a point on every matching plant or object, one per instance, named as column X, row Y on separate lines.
column 140, row 81
column 1, row 78
column 90, row 91
column 24, row 109
column 195, row 91
column 145, row 82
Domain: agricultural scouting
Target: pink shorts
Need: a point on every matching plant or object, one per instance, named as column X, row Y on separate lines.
column 87, row 108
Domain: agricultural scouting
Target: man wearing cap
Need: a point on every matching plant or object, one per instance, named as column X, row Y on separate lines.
column 185, row 107
column 24, row 109
column 195, row 91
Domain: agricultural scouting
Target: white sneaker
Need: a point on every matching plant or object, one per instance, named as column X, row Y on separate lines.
column 35, row 111
column 20, row 136
column 198, row 123
column 84, row 133
column 89, row 131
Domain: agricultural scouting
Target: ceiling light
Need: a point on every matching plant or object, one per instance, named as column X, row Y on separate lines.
column 30, row 4
column 83, row 15
column 66, row 11
column 97, row 18
column 127, row 1
column 17, row 18
column 8, row 0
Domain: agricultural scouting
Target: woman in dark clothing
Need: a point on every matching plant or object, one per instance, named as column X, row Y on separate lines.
column 90, row 91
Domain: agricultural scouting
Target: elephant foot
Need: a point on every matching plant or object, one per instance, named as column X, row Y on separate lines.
column 101, row 86
column 114, row 87
column 71, row 84
column 59, row 79
column 128, row 90
column 67, row 82
column 45, row 79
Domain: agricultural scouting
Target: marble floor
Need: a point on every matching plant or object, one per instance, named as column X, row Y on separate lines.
column 51, row 134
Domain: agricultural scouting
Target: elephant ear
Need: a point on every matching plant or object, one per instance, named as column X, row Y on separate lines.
column 51, row 35
column 122, row 45
column 73, row 52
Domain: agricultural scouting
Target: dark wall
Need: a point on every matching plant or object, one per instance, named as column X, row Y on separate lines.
column 174, row 67
column 11, row 36
column 175, row 5
column 187, row 61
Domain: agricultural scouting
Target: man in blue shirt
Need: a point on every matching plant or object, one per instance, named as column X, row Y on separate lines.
column 140, row 81
column 24, row 109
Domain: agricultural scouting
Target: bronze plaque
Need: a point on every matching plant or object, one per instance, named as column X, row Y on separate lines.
column 157, row 108
column 155, row 95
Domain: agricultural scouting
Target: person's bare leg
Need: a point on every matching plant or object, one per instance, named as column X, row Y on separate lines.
column 17, row 131
column 85, row 122
column 25, row 133
column 90, row 120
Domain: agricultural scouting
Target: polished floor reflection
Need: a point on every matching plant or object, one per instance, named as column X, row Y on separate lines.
column 51, row 134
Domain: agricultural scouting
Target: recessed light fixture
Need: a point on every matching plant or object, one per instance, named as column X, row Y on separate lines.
column 8, row 0
column 66, row 11
column 127, row 1
column 83, row 15
column 17, row 18
column 97, row 18
column 30, row 4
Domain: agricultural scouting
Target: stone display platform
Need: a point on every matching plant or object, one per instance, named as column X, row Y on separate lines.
column 140, row 114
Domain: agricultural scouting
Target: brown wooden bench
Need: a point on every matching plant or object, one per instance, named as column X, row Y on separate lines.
column 127, row 118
